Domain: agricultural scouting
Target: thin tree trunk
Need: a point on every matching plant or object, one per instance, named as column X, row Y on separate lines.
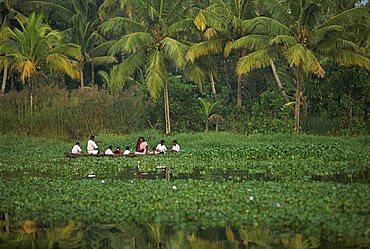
column 212, row 84
column 278, row 80
column 5, row 75
column 92, row 73
column 12, row 86
column 239, row 91
column 31, row 94
column 298, row 97
column 166, row 102
column 206, row 124
column 82, row 83
column 7, row 220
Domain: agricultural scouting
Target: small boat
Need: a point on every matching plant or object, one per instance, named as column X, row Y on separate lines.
column 73, row 155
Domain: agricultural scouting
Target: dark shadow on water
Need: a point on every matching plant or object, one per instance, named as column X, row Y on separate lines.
column 162, row 172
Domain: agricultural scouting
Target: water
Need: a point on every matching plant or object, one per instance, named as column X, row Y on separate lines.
column 72, row 234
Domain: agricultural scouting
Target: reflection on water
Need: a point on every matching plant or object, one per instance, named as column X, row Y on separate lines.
column 32, row 234
column 162, row 172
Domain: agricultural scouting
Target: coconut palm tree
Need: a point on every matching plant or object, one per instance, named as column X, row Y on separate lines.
column 299, row 32
column 207, row 109
column 151, row 41
column 34, row 46
column 221, row 23
column 10, row 10
column 84, row 32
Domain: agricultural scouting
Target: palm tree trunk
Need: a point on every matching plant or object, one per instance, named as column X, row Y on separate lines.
column 166, row 102
column 92, row 73
column 206, row 124
column 5, row 75
column 277, row 78
column 239, row 90
column 12, row 86
column 31, row 94
column 298, row 97
column 82, row 83
column 213, row 84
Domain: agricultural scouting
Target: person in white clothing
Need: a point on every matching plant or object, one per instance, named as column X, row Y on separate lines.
column 175, row 146
column 142, row 146
column 161, row 148
column 92, row 148
column 76, row 148
column 109, row 151
column 127, row 151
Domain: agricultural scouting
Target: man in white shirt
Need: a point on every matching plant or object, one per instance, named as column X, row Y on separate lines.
column 161, row 148
column 175, row 146
column 109, row 151
column 76, row 148
column 92, row 148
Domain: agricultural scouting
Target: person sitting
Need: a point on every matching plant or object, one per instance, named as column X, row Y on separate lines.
column 142, row 147
column 175, row 146
column 109, row 151
column 127, row 151
column 76, row 148
column 117, row 151
column 154, row 151
column 92, row 148
column 161, row 148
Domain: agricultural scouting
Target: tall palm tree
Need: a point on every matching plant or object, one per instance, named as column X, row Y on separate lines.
column 34, row 46
column 84, row 32
column 151, row 41
column 10, row 10
column 299, row 32
column 221, row 23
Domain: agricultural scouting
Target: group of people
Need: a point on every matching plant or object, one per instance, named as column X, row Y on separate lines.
column 142, row 148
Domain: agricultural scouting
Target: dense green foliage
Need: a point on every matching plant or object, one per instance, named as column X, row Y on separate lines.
column 148, row 41
column 312, row 185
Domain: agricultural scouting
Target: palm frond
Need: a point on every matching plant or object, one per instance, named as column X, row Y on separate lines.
column 276, row 10
column 27, row 69
column 207, row 18
column 324, row 33
column 154, row 76
column 180, row 26
column 312, row 64
column 255, row 60
column 61, row 63
column 251, row 42
column 104, row 60
column 345, row 17
column 116, row 24
column 349, row 58
column 174, row 51
column 204, row 48
column 70, row 50
column 131, row 64
column 194, row 73
column 34, row 5
column 285, row 40
column 210, row 33
column 108, row 8
column 101, row 49
column 266, row 26
column 132, row 42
